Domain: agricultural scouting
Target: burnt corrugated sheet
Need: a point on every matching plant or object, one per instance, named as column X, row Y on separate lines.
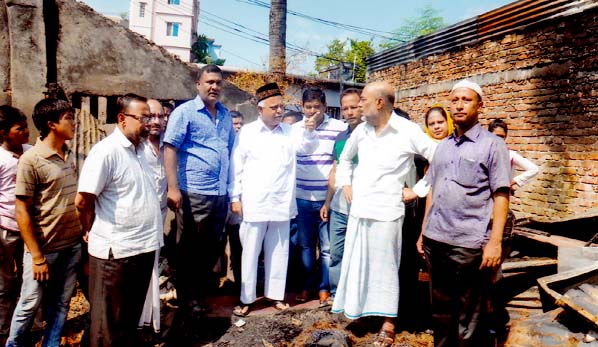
column 501, row 21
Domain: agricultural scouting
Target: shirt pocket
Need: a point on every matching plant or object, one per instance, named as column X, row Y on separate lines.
column 469, row 173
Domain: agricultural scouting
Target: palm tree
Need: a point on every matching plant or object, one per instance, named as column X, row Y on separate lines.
column 278, row 34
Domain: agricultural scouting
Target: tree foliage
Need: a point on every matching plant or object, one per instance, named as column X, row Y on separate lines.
column 348, row 51
column 428, row 21
column 200, row 50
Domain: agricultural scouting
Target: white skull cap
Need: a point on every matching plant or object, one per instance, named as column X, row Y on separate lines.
column 470, row 85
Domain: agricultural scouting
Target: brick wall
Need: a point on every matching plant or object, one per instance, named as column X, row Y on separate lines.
column 543, row 82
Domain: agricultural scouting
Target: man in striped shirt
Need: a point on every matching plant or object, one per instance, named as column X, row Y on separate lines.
column 312, row 183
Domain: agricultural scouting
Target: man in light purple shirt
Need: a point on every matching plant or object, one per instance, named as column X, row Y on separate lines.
column 466, row 211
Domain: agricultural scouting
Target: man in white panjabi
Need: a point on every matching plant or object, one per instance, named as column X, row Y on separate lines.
column 385, row 144
column 153, row 150
column 262, row 192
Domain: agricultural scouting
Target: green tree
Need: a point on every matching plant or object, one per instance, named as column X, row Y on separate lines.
column 348, row 51
column 428, row 21
column 200, row 51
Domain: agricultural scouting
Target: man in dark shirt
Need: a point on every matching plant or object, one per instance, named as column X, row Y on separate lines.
column 466, row 211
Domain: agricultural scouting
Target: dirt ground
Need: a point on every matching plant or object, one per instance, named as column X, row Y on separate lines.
column 266, row 327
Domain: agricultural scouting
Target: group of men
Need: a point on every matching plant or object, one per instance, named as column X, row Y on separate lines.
column 341, row 182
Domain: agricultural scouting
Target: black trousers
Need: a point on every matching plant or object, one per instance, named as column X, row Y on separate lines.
column 117, row 290
column 460, row 292
column 200, row 224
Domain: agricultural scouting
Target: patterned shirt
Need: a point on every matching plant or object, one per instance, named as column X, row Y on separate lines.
column 465, row 173
column 203, row 146
column 313, row 169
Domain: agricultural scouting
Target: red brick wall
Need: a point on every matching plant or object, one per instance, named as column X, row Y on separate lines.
column 543, row 82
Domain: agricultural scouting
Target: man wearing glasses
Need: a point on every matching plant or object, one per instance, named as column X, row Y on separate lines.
column 119, row 208
column 153, row 150
column 198, row 142
column 262, row 191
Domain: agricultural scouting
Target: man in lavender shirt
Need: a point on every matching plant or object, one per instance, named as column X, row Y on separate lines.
column 466, row 211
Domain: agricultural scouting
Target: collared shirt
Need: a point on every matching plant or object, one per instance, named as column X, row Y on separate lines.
column 464, row 175
column 127, row 210
column 51, row 182
column 155, row 160
column 313, row 169
column 203, row 146
column 384, row 163
column 339, row 203
column 263, row 170
column 8, row 181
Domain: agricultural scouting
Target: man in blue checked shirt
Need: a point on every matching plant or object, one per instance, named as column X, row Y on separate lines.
column 198, row 142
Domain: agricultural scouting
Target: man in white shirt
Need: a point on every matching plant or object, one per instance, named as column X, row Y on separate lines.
column 153, row 150
column 262, row 192
column 385, row 144
column 119, row 208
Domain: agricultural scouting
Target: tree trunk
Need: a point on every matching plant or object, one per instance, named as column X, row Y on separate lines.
column 278, row 36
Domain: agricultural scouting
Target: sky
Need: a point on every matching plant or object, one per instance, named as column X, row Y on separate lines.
column 380, row 15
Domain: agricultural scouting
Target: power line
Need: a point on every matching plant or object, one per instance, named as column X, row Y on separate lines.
column 361, row 30
column 256, row 36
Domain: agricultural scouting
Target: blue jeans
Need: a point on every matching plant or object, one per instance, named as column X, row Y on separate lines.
column 338, row 229
column 309, row 228
column 56, row 293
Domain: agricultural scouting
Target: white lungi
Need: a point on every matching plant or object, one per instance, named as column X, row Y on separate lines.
column 369, row 281
column 150, row 316
column 274, row 236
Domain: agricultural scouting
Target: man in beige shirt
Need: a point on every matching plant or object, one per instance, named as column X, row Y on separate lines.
column 45, row 210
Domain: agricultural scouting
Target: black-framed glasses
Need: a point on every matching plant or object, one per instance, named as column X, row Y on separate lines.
column 142, row 119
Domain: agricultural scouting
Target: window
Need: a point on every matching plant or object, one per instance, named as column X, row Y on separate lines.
column 142, row 9
column 174, row 2
column 172, row 29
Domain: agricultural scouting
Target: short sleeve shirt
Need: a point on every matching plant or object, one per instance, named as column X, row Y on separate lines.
column 127, row 220
column 203, row 146
column 8, row 181
column 465, row 173
column 51, row 182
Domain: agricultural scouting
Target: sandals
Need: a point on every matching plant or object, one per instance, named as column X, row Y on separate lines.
column 280, row 305
column 384, row 338
column 325, row 299
column 242, row 310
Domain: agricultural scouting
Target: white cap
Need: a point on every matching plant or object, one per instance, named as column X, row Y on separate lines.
column 470, row 85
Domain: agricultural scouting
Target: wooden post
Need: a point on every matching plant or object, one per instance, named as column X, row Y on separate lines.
column 102, row 109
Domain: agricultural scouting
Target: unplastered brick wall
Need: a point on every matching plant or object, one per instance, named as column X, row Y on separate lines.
column 542, row 81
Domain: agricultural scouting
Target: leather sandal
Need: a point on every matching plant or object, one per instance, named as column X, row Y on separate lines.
column 280, row 305
column 384, row 338
column 242, row 310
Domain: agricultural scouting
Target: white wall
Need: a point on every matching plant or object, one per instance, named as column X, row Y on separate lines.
column 154, row 24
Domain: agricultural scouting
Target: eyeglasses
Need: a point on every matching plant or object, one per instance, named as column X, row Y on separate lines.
column 142, row 119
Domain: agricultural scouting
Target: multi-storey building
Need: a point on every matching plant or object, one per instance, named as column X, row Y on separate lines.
column 171, row 24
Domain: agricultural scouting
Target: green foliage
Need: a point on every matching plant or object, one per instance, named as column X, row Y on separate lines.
column 200, row 50
column 357, row 51
column 428, row 21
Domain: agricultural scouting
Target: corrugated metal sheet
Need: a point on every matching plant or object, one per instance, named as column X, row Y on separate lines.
column 501, row 21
